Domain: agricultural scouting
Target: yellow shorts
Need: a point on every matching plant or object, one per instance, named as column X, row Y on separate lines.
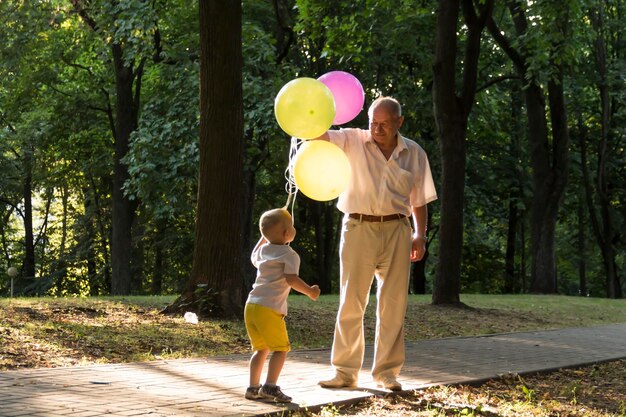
column 266, row 328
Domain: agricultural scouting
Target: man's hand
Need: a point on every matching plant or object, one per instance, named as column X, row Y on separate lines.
column 418, row 248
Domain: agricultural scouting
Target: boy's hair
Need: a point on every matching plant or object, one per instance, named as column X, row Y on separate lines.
column 271, row 218
column 388, row 103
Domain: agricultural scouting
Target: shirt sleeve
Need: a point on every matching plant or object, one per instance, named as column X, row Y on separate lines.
column 292, row 262
column 424, row 190
column 343, row 137
column 255, row 258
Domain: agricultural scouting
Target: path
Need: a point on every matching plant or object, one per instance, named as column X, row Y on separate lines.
column 215, row 386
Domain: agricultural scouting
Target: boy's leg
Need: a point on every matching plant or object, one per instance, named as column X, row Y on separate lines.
column 271, row 329
column 253, row 318
column 275, row 366
column 270, row 391
column 274, row 330
column 256, row 366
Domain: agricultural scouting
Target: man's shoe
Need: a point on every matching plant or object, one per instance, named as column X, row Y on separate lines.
column 390, row 383
column 338, row 382
column 273, row 393
column 252, row 393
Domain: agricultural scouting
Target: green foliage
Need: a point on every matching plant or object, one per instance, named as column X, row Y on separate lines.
column 529, row 393
column 129, row 23
column 267, row 147
column 163, row 156
column 482, row 268
column 57, row 96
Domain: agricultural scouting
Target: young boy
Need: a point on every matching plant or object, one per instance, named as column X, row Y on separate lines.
column 277, row 273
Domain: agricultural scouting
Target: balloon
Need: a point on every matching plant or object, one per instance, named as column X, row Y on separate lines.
column 304, row 108
column 321, row 170
column 348, row 94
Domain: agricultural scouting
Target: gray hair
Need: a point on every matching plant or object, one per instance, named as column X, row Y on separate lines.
column 389, row 103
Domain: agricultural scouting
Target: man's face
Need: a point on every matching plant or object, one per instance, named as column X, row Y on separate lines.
column 384, row 125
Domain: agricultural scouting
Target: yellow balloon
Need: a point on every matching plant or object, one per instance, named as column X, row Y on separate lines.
column 304, row 108
column 321, row 170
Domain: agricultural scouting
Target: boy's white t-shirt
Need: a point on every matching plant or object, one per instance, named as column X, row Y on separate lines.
column 272, row 263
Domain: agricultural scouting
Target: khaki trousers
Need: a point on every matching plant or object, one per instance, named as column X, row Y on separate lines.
column 368, row 249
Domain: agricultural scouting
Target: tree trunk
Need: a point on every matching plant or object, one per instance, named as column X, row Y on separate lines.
column 60, row 265
column 126, row 114
column 156, row 286
column 582, row 250
column 549, row 159
column 522, row 272
column 105, row 237
column 216, row 281
column 550, row 172
column 325, row 221
column 123, row 209
column 418, row 269
column 331, row 244
column 138, row 256
column 28, row 269
column 446, row 288
column 451, row 114
column 447, row 285
column 317, row 216
column 511, row 281
column 511, row 238
column 88, row 247
column 419, row 274
column 606, row 234
column 248, row 229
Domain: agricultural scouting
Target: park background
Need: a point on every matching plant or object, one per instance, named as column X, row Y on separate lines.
column 114, row 181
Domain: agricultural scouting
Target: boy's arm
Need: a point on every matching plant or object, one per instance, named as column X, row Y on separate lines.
column 259, row 243
column 312, row 291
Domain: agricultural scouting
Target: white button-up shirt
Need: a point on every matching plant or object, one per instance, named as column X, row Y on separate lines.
column 380, row 186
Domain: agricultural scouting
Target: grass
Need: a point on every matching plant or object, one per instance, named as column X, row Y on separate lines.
column 67, row 331
column 49, row 332
column 487, row 314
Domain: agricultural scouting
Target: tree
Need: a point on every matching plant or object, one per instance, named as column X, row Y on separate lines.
column 549, row 156
column 451, row 114
column 605, row 230
column 215, row 284
column 128, row 47
column 59, row 123
column 24, row 123
column 266, row 40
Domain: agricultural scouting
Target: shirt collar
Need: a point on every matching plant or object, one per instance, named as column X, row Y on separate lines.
column 400, row 145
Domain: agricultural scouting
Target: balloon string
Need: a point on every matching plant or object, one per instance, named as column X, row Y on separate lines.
column 290, row 186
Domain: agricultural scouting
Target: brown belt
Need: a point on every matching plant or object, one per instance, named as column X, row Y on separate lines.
column 368, row 218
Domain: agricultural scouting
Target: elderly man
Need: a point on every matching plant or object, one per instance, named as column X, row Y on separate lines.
column 391, row 182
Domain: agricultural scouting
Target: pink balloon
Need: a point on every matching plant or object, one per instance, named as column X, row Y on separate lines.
column 348, row 94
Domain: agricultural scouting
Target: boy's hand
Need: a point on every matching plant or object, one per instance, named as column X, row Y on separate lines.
column 315, row 292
